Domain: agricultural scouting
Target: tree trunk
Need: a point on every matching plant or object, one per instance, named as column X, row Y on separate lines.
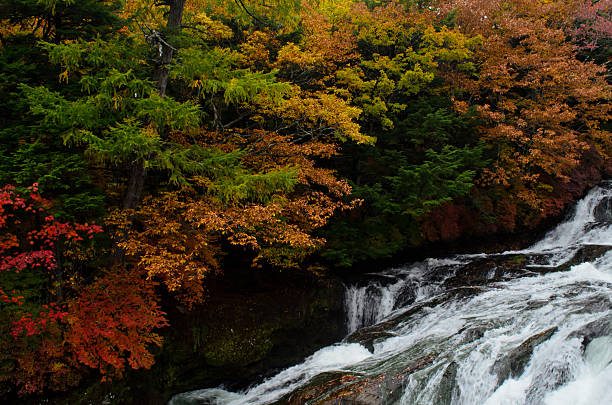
column 130, row 203
column 173, row 25
column 135, row 185
column 160, row 75
column 138, row 172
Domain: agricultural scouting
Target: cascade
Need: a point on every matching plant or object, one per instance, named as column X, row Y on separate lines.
column 528, row 327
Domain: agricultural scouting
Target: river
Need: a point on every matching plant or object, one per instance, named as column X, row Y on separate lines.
column 520, row 327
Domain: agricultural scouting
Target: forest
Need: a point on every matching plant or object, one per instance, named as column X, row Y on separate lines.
column 149, row 147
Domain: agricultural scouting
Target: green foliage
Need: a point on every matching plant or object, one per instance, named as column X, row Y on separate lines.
column 62, row 173
column 62, row 19
column 32, row 150
column 400, row 61
column 118, row 116
column 258, row 187
column 430, row 158
column 417, row 188
column 215, row 72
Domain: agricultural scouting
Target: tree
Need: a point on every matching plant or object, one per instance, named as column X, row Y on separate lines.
column 243, row 174
column 37, row 262
column 55, row 321
column 543, row 108
column 111, row 323
column 32, row 151
column 389, row 63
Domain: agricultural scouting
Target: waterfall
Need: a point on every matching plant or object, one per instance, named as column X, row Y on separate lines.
column 369, row 304
column 529, row 327
column 590, row 223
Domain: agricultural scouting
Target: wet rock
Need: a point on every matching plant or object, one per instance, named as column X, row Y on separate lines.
column 447, row 387
column 603, row 211
column 488, row 269
column 552, row 377
column 370, row 279
column 538, row 263
column 383, row 390
column 535, row 304
column 514, row 364
column 368, row 336
column 593, row 330
column 318, row 388
column 354, row 389
column 586, row 253
column 405, row 298
column 472, row 334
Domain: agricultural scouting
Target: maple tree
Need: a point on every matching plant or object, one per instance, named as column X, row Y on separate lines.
column 543, row 107
column 56, row 321
column 38, row 248
column 111, row 323
column 594, row 24
column 33, row 284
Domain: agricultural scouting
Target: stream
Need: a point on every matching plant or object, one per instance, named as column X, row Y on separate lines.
column 520, row 327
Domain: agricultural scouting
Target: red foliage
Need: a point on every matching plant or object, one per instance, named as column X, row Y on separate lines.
column 594, row 23
column 21, row 250
column 447, row 222
column 35, row 325
column 36, row 249
column 111, row 322
column 105, row 325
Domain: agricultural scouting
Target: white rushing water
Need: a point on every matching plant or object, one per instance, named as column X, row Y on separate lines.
column 369, row 304
column 542, row 336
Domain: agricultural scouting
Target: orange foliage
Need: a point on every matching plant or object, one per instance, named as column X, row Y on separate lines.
column 171, row 248
column 177, row 235
column 329, row 38
column 288, row 220
column 542, row 106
